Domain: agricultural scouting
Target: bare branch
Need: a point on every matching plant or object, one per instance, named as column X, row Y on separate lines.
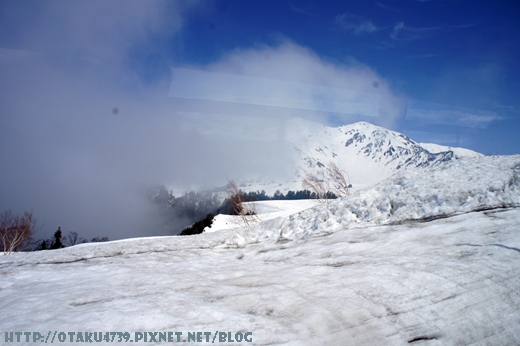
column 251, row 212
column 234, row 196
column 340, row 183
column 72, row 238
column 317, row 185
column 247, row 212
column 332, row 180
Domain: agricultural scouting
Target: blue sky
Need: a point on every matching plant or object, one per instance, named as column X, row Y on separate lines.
column 456, row 55
column 450, row 53
column 101, row 99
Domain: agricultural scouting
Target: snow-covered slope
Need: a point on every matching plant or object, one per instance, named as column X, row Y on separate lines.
column 453, row 187
column 367, row 153
column 459, row 152
column 419, row 258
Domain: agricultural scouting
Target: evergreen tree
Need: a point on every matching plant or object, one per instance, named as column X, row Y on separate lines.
column 199, row 226
column 57, row 244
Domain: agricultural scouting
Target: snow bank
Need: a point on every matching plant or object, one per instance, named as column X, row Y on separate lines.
column 454, row 187
column 451, row 281
column 267, row 210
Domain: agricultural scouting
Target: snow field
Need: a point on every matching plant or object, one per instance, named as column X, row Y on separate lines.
column 378, row 284
column 367, row 269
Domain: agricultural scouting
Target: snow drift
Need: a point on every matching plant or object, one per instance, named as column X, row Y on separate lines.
column 450, row 188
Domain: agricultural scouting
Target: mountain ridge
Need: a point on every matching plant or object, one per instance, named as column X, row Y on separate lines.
column 367, row 153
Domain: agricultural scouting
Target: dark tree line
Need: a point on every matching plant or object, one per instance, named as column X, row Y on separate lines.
column 253, row 196
column 59, row 241
column 291, row 195
column 192, row 212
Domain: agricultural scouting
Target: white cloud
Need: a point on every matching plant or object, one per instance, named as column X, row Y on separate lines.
column 226, row 87
column 355, row 24
column 405, row 33
column 304, row 9
column 96, row 28
column 292, row 77
column 449, row 115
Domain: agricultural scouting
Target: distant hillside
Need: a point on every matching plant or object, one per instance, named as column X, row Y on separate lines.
column 368, row 153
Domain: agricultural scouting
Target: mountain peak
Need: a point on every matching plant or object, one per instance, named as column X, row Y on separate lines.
column 367, row 152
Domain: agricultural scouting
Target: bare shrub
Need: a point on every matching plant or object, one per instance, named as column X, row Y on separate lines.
column 235, row 198
column 72, row 238
column 331, row 181
column 246, row 211
column 340, row 184
column 16, row 231
column 317, row 185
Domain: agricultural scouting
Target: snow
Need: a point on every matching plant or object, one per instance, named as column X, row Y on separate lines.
column 455, row 187
column 428, row 256
column 366, row 153
column 459, row 152
column 266, row 210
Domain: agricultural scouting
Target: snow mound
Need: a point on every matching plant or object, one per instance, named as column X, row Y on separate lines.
column 266, row 210
column 451, row 188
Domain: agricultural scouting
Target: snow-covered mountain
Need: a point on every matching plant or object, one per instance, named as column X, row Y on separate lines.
column 366, row 152
column 417, row 258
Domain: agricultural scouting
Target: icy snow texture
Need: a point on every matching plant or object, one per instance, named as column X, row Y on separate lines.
column 353, row 272
column 453, row 187
column 266, row 210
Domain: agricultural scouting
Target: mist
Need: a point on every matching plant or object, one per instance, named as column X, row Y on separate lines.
column 87, row 128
